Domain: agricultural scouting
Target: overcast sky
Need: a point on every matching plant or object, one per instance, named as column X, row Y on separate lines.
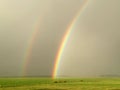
column 92, row 49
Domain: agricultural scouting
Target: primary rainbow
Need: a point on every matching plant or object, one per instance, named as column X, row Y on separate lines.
column 65, row 39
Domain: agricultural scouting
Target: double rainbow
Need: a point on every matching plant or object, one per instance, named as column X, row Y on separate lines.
column 62, row 45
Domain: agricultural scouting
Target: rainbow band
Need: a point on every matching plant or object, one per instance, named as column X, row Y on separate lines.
column 65, row 39
column 28, row 50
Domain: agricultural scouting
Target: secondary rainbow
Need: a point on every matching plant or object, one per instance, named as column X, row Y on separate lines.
column 65, row 39
column 28, row 50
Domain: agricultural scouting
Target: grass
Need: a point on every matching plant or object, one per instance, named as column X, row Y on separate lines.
column 60, row 84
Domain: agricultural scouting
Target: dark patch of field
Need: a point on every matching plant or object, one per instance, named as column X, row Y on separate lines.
column 49, row 89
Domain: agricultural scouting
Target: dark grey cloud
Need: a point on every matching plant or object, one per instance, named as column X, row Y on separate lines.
column 92, row 49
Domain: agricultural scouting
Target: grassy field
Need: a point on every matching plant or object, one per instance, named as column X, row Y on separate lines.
column 59, row 84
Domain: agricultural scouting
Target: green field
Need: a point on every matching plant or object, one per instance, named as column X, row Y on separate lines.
column 60, row 84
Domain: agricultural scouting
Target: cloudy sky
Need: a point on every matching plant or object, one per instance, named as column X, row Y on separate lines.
column 93, row 47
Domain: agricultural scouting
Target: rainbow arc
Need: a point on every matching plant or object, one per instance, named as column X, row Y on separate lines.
column 66, row 37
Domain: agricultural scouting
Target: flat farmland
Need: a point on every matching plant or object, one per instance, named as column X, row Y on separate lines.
column 59, row 84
